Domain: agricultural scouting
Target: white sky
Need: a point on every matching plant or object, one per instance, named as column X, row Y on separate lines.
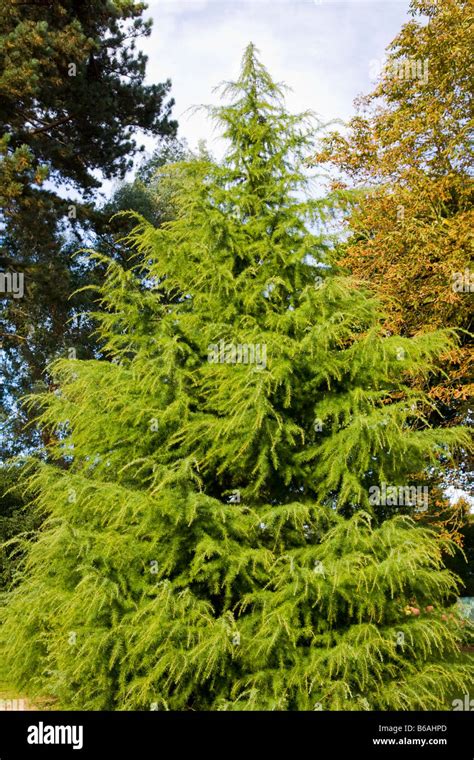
column 323, row 49
column 326, row 50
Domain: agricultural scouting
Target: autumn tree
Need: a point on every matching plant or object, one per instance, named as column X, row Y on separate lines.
column 408, row 153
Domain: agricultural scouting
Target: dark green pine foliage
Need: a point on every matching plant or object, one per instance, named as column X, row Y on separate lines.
column 210, row 544
column 73, row 97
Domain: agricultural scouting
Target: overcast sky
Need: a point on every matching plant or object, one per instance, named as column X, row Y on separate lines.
column 323, row 49
column 326, row 51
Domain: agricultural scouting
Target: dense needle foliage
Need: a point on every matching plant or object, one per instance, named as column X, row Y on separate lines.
column 209, row 542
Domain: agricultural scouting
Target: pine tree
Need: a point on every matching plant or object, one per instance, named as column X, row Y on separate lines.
column 211, row 542
column 72, row 98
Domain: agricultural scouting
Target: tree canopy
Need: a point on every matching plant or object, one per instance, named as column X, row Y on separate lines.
column 210, row 541
column 408, row 152
column 73, row 99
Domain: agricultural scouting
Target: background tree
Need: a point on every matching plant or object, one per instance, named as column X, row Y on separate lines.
column 404, row 170
column 15, row 520
column 72, row 100
column 409, row 153
column 212, row 544
column 146, row 194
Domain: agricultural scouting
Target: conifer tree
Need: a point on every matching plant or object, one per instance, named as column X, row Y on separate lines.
column 72, row 99
column 212, row 543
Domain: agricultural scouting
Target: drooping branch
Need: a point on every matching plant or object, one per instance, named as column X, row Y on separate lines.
column 51, row 125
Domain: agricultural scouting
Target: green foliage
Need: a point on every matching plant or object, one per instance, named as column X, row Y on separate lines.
column 146, row 194
column 210, row 543
column 16, row 522
column 72, row 98
column 72, row 85
column 462, row 563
